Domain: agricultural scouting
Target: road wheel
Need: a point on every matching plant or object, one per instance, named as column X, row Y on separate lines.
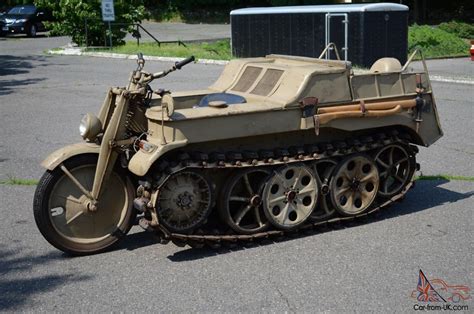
column 32, row 31
column 354, row 185
column 62, row 215
column 290, row 195
column 323, row 170
column 396, row 167
column 241, row 202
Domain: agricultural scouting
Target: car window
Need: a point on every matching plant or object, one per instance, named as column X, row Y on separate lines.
column 22, row 10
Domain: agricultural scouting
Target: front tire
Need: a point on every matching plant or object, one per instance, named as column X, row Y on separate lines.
column 66, row 223
column 32, row 31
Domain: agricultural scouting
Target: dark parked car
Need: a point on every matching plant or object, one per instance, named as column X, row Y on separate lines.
column 27, row 19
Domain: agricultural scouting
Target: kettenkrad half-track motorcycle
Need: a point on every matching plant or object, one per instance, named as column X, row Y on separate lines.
column 277, row 145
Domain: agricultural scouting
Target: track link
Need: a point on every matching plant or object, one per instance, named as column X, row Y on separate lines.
column 217, row 160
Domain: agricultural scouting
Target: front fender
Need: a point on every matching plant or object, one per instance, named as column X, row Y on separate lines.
column 142, row 161
column 66, row 152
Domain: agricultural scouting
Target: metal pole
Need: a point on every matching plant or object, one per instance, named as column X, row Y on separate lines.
column 346, row 33
column 85, row 26
column 110, row 35
column 327, row 34
column 149, row 34
column 138, row 35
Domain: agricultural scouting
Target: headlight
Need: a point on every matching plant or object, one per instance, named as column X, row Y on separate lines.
column 90, row 127
column 21, row 21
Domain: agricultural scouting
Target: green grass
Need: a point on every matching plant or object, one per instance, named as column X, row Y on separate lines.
column 445, row 177
column 436, row 43
column 19, row 181
column 219, row 50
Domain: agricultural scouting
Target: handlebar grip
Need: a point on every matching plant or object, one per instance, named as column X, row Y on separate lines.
column 179, row 65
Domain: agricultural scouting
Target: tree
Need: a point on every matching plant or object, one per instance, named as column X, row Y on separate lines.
column 82, row 20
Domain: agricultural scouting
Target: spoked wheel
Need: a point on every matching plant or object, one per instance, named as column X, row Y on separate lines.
column 290, row 195
column 241, row 204
column 62, row 214
column 354, row 184
column 185, row 201
column 396, row 166
column 323, row 170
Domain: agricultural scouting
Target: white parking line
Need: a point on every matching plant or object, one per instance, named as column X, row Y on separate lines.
column 447, row 79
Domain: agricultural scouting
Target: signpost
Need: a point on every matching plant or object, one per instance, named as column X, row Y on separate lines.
column 108, row 15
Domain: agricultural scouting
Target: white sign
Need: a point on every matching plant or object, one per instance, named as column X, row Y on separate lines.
column 108, row 13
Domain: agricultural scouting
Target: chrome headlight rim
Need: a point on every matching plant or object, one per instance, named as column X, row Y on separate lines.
column 89, row 127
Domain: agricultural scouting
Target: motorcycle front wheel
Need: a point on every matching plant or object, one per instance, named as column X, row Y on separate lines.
column 63, row 218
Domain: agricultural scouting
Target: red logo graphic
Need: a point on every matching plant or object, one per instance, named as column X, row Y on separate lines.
column 437, row 290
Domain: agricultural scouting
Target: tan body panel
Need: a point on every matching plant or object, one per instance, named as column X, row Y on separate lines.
column 203, row 125
column 66, row 152
column 142, row 161
column 272, row 105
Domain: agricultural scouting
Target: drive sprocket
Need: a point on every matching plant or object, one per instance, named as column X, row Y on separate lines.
column 184, row 201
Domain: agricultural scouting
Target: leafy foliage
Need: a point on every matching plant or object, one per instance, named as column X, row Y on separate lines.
column 74, row 17
column 459, row 29
column 436, row 42
column 211, row 11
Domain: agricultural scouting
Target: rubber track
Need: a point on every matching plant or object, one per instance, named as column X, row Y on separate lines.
column 268, row 158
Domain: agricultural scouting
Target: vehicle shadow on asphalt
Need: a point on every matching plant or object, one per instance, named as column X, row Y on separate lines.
column 17, row 286
column 136, row 241
column 12, row 65
column 22, row 36
column 426, row 195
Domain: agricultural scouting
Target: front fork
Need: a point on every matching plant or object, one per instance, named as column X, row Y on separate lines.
column 112, row 116
column 114, row 130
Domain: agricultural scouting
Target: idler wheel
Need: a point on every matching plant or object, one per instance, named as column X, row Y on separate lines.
column 184, row 201
column 241, row 203
column 290, row 195
column 354, row 185
column 396, row 167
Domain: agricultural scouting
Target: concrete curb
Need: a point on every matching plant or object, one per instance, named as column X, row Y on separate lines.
column 79, row 52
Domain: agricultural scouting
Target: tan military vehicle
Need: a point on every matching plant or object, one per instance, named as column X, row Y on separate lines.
column 277, row 144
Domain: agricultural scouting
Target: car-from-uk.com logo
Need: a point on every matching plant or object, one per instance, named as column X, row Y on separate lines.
column 437, row 295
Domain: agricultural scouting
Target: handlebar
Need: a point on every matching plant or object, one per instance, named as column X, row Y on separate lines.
column 148, row 77
column 179, row 65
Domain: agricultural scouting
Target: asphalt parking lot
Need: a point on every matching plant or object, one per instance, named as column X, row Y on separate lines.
column 369, row 267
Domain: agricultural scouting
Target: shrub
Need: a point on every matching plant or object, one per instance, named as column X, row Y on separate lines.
column 72, row 15
column 459, row 29
column 436, row 42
